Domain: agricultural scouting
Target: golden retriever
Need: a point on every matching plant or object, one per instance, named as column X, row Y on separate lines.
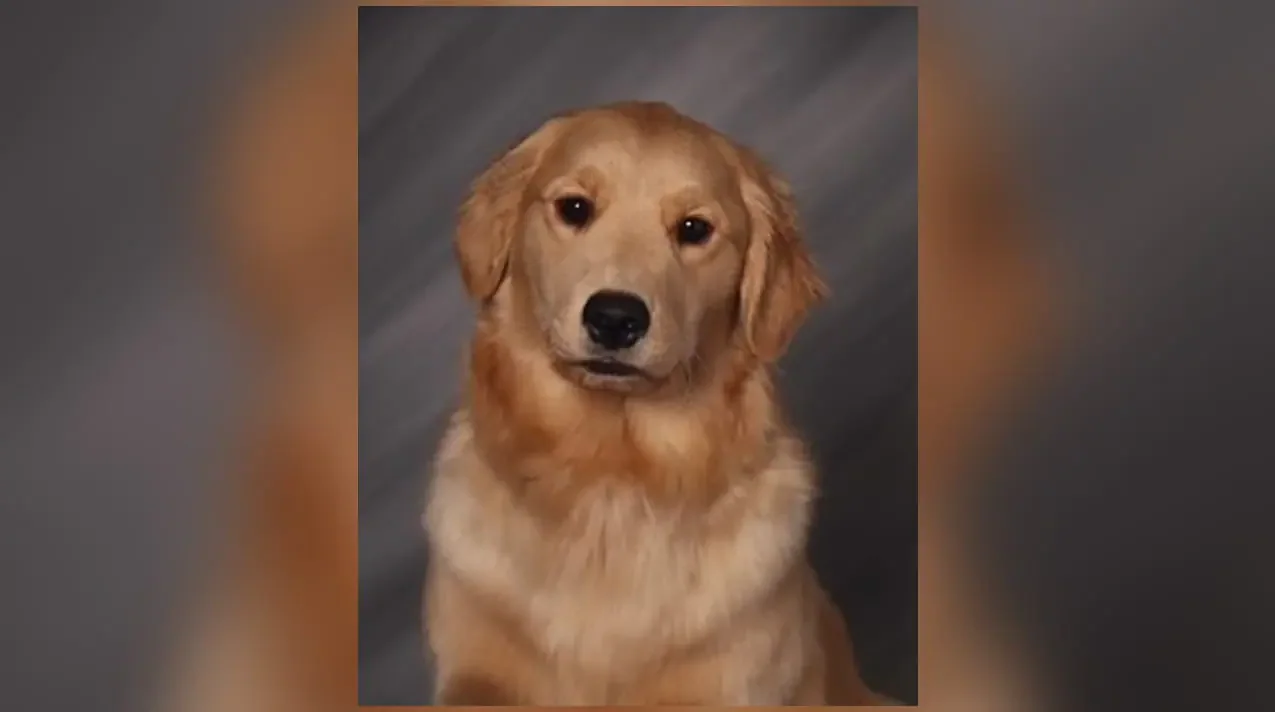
column 619, row 511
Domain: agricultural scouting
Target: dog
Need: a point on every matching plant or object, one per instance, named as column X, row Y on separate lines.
column 619, row 510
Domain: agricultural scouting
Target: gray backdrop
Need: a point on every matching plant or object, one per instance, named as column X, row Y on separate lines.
column 828, row 95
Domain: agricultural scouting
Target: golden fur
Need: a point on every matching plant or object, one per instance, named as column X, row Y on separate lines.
column 599, row 540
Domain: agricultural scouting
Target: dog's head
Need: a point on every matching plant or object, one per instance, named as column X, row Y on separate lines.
column 637, row 247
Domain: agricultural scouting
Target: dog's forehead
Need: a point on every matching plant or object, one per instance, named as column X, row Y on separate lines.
column 617, row 142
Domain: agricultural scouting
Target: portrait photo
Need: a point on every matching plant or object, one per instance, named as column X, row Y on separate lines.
column 637, row 355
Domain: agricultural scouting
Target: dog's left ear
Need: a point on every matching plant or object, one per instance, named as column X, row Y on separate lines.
column 489, row 218
column 779, row 285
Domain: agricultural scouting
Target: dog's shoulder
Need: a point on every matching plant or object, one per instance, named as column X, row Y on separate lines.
column 472, row 522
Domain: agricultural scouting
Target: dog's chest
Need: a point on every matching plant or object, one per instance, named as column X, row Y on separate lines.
column 608, row 590
column 621, row 585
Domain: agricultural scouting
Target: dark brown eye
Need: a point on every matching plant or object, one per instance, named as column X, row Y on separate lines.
column 574, row 210
column 694, row 231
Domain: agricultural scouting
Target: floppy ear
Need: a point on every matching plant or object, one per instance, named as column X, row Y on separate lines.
column 490, row 216
column 779, row 284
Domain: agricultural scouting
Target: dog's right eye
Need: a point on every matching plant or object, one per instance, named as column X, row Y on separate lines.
column 574, row 210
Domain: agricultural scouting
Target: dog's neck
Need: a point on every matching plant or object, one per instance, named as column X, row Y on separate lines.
column 551, row 438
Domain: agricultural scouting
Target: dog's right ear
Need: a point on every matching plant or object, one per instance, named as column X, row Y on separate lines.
column 490, row 216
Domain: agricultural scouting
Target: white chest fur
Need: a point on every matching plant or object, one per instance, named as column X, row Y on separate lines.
column 617, row 584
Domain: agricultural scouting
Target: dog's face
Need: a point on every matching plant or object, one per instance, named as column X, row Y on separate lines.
column 637, row 246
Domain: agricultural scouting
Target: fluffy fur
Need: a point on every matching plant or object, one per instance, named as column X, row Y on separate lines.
column 599, row 540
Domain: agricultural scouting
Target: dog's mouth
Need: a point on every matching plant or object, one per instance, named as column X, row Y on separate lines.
column 611, row 367
column 610, row 375
column 607, row 374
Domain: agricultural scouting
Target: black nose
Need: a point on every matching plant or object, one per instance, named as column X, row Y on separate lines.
column 615, row 320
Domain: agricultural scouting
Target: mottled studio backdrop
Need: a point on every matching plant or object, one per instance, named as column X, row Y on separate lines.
column 828, row 95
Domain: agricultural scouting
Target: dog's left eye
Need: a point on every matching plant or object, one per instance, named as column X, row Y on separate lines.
column 694, row 231
column 574, row 210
